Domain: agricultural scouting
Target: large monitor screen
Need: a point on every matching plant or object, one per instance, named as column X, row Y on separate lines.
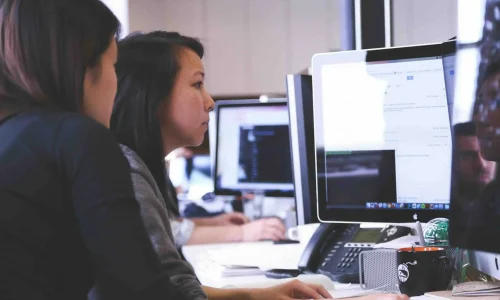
column 382, row 131
column 253, row 148
column 475, row 205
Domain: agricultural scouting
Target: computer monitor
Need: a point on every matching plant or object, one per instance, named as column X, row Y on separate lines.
column 475, row 194
column 300, row 108
column 382, row 135
column 253, row 148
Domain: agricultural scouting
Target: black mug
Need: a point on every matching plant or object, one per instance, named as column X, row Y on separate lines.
column 422, row 270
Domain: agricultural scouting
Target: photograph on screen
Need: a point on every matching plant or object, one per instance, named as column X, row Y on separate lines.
column 347, row 171
column 475, row 205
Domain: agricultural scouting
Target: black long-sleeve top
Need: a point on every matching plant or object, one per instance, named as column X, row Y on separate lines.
column 68, row 215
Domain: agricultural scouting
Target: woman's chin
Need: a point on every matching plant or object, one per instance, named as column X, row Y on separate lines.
column 197, row 142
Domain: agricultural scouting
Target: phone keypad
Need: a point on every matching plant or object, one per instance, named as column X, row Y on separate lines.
column 339, row 258
column 351, row 255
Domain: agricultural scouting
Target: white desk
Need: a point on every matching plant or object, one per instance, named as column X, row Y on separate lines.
column 208, row 271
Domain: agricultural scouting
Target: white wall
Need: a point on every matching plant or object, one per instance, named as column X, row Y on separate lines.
column 147, row 15
column 250, row 44
column 424, row 21
column 120, row 9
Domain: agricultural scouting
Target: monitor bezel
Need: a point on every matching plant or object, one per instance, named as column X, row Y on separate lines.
column 302, row 146
column 221, row 104
column 449, row 48
column 356, row 215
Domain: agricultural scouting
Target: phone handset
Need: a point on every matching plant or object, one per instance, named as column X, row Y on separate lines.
column 310, row 259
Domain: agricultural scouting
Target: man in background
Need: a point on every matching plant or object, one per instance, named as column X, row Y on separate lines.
column 472, row 171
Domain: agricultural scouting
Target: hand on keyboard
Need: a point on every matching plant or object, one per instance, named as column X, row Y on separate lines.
column 234, row 218
column 263, row 229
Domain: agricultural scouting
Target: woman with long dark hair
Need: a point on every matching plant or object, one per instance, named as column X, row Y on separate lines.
column 162, row 105
column 159, row 108
column 68, row 215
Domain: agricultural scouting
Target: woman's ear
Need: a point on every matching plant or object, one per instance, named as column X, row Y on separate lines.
column 92, row 75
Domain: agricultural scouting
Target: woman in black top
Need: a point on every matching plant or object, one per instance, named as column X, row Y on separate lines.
column 67, row 210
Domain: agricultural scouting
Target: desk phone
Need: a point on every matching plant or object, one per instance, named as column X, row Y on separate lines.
column 334, row 249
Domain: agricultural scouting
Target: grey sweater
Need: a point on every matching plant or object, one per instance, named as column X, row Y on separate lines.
column 156, row 220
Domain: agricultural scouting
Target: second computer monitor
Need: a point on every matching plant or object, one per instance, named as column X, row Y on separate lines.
column 382, row 135
column 253, row 148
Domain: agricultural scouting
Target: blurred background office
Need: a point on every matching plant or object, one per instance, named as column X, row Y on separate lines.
column 252, row 44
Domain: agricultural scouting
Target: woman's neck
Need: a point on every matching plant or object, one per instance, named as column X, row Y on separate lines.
column 170, row 152
column 170, row 144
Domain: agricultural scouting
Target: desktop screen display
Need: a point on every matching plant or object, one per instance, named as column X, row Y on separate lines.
column 253, row 148
column 383, row 137
column 475, row 194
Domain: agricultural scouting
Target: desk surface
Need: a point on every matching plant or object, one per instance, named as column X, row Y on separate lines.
column 209, row 272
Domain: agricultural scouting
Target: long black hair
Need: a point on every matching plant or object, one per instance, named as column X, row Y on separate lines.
column 45, row 48
column 147, row 67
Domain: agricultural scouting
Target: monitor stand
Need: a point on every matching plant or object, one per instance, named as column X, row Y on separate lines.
column 485, row 262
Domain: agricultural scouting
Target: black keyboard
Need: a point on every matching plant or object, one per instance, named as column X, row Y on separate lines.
column 286, row 241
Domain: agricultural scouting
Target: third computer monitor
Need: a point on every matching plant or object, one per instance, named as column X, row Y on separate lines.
column 253, row 148
column 300, row 106
column 382, row 135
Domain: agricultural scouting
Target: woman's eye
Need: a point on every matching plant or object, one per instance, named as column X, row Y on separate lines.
column 198, row 85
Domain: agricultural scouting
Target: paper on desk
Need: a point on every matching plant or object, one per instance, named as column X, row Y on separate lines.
column 476, row 288
column 265, row 257
column 241, row 271
column 209, row 268
column 446, row 295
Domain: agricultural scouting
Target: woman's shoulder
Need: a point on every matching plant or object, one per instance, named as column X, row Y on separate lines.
column 68, row 125
column 76, row 122
column 57, row 127
column 135, row 161
column 145, row 186
column 138, row 167
column 77, row 133
column 40, row 116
